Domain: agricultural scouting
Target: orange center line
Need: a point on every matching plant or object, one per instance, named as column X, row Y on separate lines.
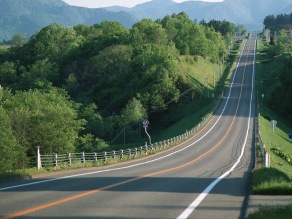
column 74, row 197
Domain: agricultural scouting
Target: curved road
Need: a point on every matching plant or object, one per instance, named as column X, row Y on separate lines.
column 205, row 177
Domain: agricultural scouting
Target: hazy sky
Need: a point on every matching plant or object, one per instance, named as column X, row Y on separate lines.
column 106, row 3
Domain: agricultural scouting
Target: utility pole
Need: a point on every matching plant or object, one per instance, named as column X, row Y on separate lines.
column 214, row 76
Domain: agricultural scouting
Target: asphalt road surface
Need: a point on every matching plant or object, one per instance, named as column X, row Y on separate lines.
column 205, row 177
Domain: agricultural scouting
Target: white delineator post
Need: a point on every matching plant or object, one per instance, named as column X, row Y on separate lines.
column 39, row 161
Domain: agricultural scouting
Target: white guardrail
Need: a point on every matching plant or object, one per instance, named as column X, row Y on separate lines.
column 264, row 152
column 54, row 160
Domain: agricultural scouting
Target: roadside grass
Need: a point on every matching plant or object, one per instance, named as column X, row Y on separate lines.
column 276, row 180
column 4, row 47
column 283, row 212
column 270, row 181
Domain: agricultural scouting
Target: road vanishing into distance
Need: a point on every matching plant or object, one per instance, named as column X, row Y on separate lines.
column 205, row 177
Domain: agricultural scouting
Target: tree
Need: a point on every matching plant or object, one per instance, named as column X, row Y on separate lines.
column 87, row 143
column 53, row 42
column 112, row 33
column 107, row 74
column 8, row 74
column 94, row 125
column 282, row 89
column 40, row 73
column 134, row 112
column 148, row 31
column 18, row 39
column 156, row 68
column 11, row 152
column 45, row 118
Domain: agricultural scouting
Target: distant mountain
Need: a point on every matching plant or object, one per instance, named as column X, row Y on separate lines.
column 27, row 16
column 250, row 13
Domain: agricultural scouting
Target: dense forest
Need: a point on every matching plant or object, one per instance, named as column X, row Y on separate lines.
column 279, row 49
column 73, row 88
column 276, row 23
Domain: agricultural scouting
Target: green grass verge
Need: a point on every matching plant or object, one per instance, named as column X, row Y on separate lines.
column 277, row 179
column 270, row 181
column 284, row 212
column 277, row 141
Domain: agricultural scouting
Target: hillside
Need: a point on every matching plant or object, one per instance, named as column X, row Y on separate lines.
column 247, row 12
column 26, row 16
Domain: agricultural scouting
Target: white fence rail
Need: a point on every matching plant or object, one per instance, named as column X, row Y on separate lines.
column 54, row 159
column 265, row 153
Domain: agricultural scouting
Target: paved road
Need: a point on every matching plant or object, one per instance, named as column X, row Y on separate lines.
column 206, row 177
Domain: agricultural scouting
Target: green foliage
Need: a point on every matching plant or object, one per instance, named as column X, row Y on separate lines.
column 43, row 118
column 194, row 39
column 282, row 154
column 130, row 74
column 95, row 124
column 157, row 72
column 148, row 31
column 134, row 112
column 281, row 21
column 275, row 180
column 281, row 91
column 87, row 143
column 41, row 73
column 270, row 181
column 53, row 42
column 112, row 33
column 283, row 212
column 10, row 150
column 7, row 73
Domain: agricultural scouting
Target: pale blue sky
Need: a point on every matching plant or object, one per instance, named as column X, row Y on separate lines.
column 106, row 3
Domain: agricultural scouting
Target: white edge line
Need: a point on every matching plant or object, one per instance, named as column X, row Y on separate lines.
column 189, row 210
column 135, row 165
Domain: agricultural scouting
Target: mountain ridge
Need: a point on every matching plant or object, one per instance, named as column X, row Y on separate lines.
column 250, row 13
column 26, row 16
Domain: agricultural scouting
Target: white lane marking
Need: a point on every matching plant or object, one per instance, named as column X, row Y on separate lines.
column 189, row 210
column 138, row 164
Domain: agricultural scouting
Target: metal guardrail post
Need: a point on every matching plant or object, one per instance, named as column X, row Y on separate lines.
column 146, row 149
column 105, row 156
column 55, row 159
column 83, row 157
column 129, row 152
column 136, row 152
column 69, row 160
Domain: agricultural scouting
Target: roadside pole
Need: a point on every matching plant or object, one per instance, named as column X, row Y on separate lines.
column 273, row 124
column 145, row 123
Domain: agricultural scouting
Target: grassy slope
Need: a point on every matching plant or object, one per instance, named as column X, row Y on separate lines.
column 190, row 113
column 276, row 180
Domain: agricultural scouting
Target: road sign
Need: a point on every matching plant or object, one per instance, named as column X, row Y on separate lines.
column 273, row 124
column 290, row 135
column 145, row 123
